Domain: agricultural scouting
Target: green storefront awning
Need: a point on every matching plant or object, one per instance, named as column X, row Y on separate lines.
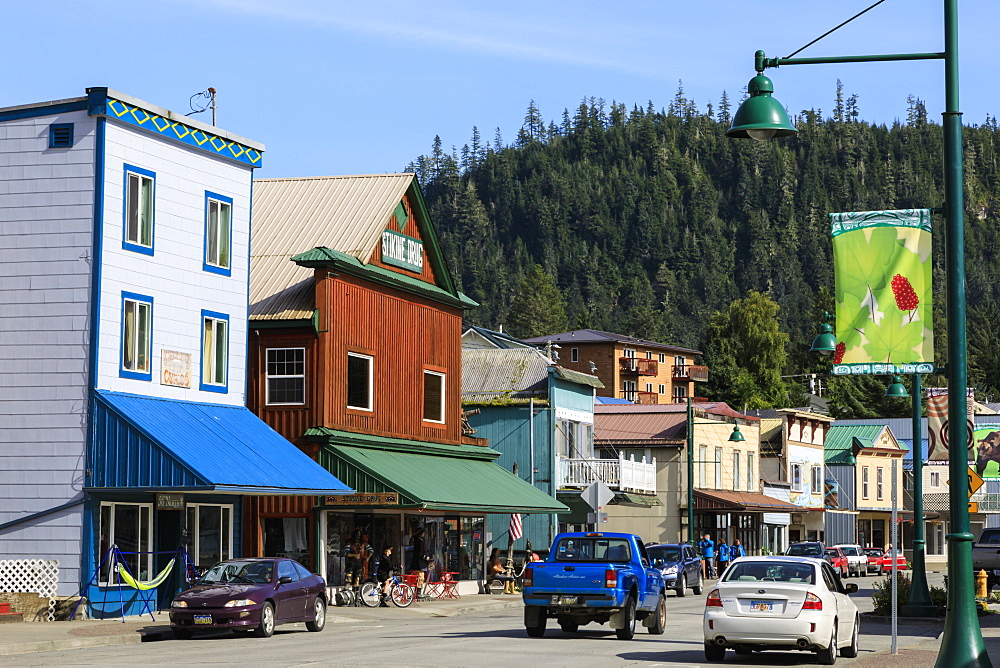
column 437, row 479
column 629, row 499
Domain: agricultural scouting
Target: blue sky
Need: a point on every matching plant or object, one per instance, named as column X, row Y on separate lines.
column 358, row 87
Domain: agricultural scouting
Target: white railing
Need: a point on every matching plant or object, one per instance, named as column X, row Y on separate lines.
column 626, row 475
column 37, row 576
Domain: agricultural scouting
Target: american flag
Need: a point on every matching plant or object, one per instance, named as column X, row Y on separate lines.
column 516, row 529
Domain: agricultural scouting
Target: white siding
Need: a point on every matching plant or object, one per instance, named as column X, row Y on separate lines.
column 46, row 218
column 173, row 276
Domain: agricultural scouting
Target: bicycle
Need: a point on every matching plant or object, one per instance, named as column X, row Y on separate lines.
column 400, row 593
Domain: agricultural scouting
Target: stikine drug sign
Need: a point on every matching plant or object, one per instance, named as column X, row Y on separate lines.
column 402, row 251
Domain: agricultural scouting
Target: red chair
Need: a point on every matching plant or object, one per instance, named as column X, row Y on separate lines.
column 449, row 585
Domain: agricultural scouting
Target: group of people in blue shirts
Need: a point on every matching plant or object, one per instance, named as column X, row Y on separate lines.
column 716, row 557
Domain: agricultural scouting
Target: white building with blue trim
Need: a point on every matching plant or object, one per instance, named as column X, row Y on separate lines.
column 124, row 281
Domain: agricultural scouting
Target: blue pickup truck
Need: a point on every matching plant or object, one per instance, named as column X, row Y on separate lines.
column 595, row 577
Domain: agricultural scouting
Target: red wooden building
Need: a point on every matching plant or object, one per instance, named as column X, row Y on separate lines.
column 355, row 356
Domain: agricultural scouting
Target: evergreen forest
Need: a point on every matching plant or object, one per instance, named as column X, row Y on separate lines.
column 650, row 222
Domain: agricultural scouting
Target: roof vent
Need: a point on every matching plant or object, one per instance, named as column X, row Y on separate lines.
column 61, row 135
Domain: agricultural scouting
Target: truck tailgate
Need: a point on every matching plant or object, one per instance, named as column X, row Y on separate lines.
column 569, row 578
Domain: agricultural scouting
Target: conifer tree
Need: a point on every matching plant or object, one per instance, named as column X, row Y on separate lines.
column 538, row 307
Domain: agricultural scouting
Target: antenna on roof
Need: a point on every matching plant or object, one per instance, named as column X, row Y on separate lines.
column 210, row 103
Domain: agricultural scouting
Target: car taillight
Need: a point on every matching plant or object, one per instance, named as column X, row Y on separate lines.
column 611, row 578
column 813, row 602
column 713, row 600
column 529, row 574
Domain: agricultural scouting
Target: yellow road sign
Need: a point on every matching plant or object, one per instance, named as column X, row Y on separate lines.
column 973, row 506
column 975, row 482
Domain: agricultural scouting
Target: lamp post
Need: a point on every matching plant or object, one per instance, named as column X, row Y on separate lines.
column 735, row 437
column 761, row 117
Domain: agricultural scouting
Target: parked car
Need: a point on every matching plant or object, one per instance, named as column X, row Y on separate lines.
column 856, row 558
column 839, row 561
column 986, row 556
column 808, row 548
column 873, row 554
column 251, row 594
column 595, row 577
column 679, row 565
column 885, row 561
column 781, row 602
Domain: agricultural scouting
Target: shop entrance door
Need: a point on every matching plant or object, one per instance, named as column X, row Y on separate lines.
column 168, row 537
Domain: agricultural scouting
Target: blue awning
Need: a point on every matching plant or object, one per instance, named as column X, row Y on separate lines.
column 154, row 444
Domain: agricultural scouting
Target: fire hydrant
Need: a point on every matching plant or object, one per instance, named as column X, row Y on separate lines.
column 981, row 580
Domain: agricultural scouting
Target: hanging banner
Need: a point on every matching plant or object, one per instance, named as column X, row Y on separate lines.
column 987, row 450
column 882, row 273
column 937, row 424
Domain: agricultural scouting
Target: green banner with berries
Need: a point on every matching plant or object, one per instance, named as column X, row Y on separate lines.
column 882, row 272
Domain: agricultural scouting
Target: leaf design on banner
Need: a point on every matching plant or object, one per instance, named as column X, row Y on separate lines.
column 862, row 261
column 896, row 340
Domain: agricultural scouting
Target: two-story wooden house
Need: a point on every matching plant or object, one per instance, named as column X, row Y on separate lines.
column 641, row 371
column 355, row 356
column 124, row 246
column 792, row 452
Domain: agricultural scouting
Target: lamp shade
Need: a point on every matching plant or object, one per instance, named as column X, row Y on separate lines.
column 826, row 342
column 760, row 116
column 897, row 390
column 736, row 436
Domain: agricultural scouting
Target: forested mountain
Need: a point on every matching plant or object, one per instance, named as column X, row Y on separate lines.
column 647, row 222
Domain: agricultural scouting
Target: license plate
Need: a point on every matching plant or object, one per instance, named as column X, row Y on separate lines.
column 203, row 619
column 761, row 606
column 564, row 600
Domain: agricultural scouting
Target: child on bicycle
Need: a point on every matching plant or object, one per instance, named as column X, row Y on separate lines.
column 383, row 574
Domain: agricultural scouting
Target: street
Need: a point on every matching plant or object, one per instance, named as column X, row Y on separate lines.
column 402, row 637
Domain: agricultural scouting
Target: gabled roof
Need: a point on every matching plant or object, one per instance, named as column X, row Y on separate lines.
column 597, row 336
column 503, row 374
column 493, row 338
column 345, row 214
column 844, row 441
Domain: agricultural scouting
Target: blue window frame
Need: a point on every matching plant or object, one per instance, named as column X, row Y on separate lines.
column 137, row 337
column 61, row 135
column 214, row 352
column 218, row 234
column 138, row 209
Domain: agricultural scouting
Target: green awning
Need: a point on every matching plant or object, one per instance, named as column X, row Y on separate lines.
column 438, row 479
column 629, row 499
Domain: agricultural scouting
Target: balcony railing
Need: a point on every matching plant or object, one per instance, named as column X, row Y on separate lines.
column 698, row 374
column 625, row 475
column 639, row 397
column 642, row 367
column 694, row 400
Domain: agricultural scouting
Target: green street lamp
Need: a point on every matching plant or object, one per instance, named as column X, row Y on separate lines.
column 897, row 390
column 962, row 643
column 825, row 342
column 761, row 117
column 736, row 436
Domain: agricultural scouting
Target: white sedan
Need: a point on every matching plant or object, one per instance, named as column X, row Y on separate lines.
column 781, row 602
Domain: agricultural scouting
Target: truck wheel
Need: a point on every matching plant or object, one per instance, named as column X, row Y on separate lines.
column 628, row 621
column 682, row 585
column 534, row 621
column 659, row 617
column 714, row 653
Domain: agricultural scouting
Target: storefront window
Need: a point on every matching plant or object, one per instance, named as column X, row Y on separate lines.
column 381, row 530
column 444, row 544
column 128, row 526
column 286, row 537
column 211, row 533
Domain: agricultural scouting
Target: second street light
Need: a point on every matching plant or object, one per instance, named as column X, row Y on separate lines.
column 962, row 643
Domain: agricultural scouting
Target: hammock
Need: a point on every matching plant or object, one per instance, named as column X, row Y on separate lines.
column 143, row 586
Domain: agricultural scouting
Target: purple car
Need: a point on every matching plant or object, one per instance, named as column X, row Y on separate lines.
column 253, row 594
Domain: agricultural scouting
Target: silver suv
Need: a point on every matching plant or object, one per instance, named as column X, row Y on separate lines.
column 857, row 560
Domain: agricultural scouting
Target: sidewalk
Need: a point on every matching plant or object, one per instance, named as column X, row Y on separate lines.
column 925, row 652
column 26, row 637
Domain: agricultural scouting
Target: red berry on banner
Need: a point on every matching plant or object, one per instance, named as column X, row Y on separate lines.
column 906, row 298
column 838, row 353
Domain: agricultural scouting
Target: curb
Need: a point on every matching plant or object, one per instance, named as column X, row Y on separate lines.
column 879, row 619
column 69, row 643
column 472, row 609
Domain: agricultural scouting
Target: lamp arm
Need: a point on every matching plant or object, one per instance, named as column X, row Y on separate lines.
column 761, row 62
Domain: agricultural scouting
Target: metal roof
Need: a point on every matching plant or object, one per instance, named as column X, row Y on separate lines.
column 497, row 373
column 290, row 216
column 640, row 427
column 162, row 444
column 597, row 336
column 707, row 407
column 902, row 428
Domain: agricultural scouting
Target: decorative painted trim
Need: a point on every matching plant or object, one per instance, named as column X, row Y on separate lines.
column 216, row 269
column 123, row 372
column 126, row 244
column 202, row 385
column 186, row 134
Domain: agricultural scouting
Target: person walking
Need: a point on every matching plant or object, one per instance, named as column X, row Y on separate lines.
column 736, row 550
column 723, row 551
column 707, row 548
